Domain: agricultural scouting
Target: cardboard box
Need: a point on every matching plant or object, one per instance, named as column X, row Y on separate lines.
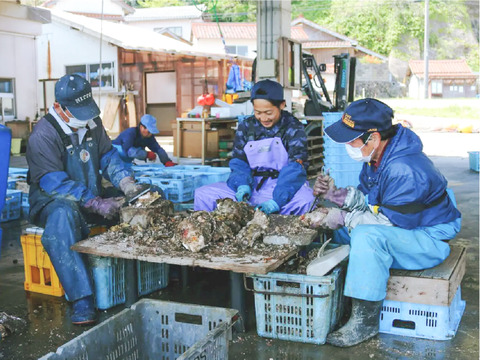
column 191, row 143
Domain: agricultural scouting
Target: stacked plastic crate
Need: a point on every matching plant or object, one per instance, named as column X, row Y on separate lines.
column 179, row 182
column 343, row 169
column 17, row 180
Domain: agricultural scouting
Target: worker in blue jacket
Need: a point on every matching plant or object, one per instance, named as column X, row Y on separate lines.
column 131, row 142
column 269, row 159
column 66, row 151
column 398, row 217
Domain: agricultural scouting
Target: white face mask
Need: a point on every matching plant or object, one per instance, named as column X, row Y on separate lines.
column 76, row 123
column 356, row 153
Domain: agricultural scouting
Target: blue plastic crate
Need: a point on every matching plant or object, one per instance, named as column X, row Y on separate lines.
column 331, row 117
column 177, row 187
column 344, row 178
column 151, row 277
column 25, row 204
column 298, row 307
column 17, row 173
column 214, row 174
column 11, row 183
column 422, row 321
column 12, row 206
column 473, row 158
column 108, row 280
column 183, row 206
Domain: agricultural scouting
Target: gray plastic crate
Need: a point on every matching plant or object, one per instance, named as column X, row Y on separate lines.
column 154, row 329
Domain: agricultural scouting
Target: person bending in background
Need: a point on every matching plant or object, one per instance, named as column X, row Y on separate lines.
column 398, row 217
column 269, row 159
column 131, row 142
column 65, row 153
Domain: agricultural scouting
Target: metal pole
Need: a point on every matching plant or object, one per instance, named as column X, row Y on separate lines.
column 425, row 49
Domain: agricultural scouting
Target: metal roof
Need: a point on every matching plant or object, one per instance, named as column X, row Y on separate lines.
column 442, row 69
column 209, row 30
column 165, row 13
column 130, row 37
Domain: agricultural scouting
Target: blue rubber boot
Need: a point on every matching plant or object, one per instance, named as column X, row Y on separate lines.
column 84, row 311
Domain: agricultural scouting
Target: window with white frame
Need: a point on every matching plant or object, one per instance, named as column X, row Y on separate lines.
column 437, row 86
column 104, row 78
column 237, row 49
column 7, row 99
column 460, row 88
column 177, row 30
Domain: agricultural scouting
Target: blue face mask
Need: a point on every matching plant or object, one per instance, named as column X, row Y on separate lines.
column 356, row 153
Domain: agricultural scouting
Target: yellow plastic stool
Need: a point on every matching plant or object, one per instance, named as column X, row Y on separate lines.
column 40, row 275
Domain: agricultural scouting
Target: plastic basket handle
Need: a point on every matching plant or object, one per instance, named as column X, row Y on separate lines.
column 281, row 293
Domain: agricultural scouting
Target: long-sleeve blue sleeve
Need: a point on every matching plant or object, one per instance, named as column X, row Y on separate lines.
column 59, row 182
column 290, row 179
column 153, row 145
column 113, row 168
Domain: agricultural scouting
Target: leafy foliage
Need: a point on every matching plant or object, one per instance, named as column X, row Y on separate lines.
column 384, row 26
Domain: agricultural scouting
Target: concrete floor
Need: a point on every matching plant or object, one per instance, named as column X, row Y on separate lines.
column 48, row 326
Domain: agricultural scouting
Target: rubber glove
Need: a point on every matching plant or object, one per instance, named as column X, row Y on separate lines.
column 325, row 188
column 151, row 155
column 334, row 220
column 170, row 163
column 269, row 207
column 108, row 208
column 336, row 196
column 243, row 193
column 130, row 188
column 322, row 185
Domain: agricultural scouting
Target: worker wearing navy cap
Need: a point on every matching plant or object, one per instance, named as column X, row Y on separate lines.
column 66, row 151
column 397, row 218
column 269, row 159
column 131, row 142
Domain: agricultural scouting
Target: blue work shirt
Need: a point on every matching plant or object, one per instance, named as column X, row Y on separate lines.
column 131, row 138
column 407, row 176
column 292, row 133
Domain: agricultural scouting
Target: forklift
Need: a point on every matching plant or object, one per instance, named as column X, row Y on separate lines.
column 318, row 103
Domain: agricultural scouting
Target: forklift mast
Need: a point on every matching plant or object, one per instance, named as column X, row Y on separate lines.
column 344, row 90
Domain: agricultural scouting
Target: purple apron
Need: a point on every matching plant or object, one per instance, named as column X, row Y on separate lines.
column 263, row 156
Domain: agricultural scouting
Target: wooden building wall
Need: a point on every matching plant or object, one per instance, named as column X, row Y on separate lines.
column 191, row 72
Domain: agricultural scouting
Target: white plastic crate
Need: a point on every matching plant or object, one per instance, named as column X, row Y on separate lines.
column 422, row 321
column 299, row 307
column 154, row 329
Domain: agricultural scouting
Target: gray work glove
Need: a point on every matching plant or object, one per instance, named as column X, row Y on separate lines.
column 325, row 188
column 108, row 208
column 325, row 218
column 130, row 188
column 334, row 220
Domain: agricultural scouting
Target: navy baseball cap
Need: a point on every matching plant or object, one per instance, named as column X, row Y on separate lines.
column 268, row 90
column 361, row 116
column 150, row 123
column 75, row 93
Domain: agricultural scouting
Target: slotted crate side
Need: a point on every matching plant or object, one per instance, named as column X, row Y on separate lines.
column 40, row 275
column 422, row 321
column 108, row 281
column 298, row 307
column 151, row 277
column 177, row 187
column 12, row 207
column 154, row 329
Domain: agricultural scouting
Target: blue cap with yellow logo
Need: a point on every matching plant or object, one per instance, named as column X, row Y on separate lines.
column 361, row 116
